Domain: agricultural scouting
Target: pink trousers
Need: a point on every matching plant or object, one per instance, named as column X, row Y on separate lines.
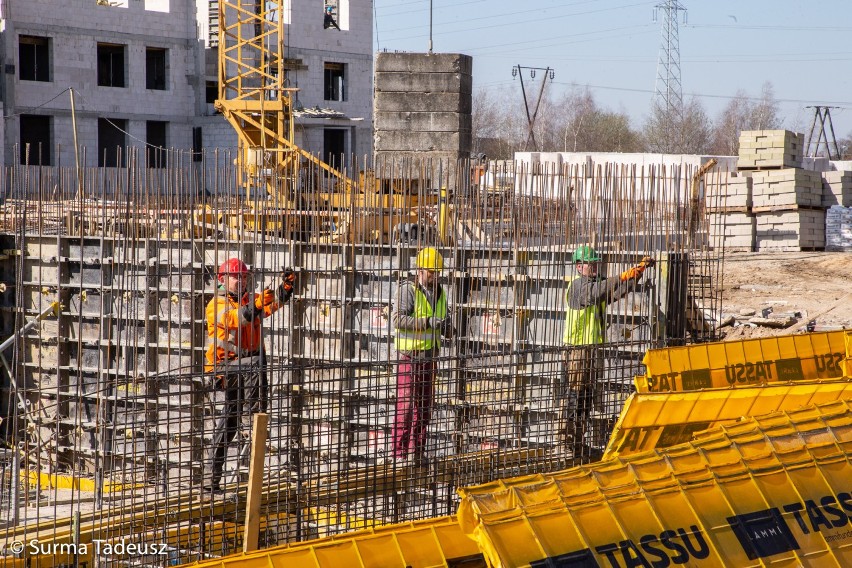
column 414, row 398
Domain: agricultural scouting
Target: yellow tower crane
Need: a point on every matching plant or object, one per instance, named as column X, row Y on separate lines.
column 279, row 178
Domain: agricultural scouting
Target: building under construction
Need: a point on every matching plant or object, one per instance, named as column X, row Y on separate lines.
column 108, row 414
column 110, row 419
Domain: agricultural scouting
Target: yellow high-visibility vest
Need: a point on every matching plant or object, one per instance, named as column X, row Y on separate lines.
column 583, row 326
column 411, row 340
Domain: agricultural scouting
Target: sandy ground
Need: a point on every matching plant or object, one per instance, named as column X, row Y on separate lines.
column 808, row 286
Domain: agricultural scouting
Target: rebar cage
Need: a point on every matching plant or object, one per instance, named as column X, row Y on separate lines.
column 112, row 440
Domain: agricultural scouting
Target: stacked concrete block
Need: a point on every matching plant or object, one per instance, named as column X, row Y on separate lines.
column 837, row 188
column 787, row 201
column 733, row 231
column 733, row 193
column 838, row 228
column 761, row 149
column 422, row 109
column 800, row 229
column 787, row 188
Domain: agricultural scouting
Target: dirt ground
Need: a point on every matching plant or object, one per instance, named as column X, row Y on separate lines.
column 807, row 286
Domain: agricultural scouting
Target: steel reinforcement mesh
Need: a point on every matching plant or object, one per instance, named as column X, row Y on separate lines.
column 111, row 424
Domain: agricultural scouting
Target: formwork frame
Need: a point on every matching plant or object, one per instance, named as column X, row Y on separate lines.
column 130, row 411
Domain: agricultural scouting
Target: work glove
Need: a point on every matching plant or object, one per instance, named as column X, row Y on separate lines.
column 636, row 272
column 285, row 289
column 265, row 299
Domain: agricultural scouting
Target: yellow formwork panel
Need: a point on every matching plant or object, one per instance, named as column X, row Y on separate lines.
column 651, row 421
column 770, row 490
column 812, row 356
column 847, row 363
column 432, row 542
column 49, row 481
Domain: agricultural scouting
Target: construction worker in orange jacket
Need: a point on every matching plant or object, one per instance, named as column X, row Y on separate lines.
column 235, row 350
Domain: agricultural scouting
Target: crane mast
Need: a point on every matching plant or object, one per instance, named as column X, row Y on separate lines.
column 254, row 97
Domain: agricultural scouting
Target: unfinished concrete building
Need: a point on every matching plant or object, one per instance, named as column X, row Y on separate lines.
column 132, row 68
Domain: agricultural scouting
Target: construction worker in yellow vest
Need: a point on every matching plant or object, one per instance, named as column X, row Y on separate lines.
column 420, row 319
column 586, row 301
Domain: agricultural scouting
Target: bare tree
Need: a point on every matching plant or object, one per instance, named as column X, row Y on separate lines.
column 671, row 132
column 578, row 109
column 584, row 127
column 732, row 120
column 744, row 113
column 764, row 115
column 496, row 126
column 844, row 147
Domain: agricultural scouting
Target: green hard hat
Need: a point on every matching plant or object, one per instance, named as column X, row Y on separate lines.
column 585, row 254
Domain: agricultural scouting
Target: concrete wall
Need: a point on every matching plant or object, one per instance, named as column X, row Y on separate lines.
column 423, row 107
column 75, row 27
column 728, row 163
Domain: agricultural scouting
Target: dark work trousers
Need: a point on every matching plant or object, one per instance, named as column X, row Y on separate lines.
column 414, row 398
column 245, row 385
column 582, row 366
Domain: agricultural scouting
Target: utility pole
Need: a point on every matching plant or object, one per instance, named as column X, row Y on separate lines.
column 668, row 94
column 430, row 27
column 518, row 71
column 823, row 114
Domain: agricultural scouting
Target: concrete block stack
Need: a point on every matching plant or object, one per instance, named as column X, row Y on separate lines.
column 787, row 201
column 788, row 188
column 837, row 189
column 838, row 228
column 422, row 111
column 729, row 206
column 734, row 231
column 761, row 149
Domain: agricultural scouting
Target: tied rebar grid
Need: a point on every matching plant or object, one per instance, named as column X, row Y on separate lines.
column 116, row 440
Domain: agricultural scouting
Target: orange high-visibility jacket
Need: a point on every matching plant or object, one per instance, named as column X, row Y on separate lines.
column 234, row 327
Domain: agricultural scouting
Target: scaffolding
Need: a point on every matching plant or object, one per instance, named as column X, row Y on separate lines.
column 123, row 415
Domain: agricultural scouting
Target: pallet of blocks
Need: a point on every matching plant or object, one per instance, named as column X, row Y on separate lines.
column 733, row 231
column 838, row 229
column 787, row 204
column 791, row 230
column 836, row 188
column 731, row 193
column 788, row 188
column 762, row 149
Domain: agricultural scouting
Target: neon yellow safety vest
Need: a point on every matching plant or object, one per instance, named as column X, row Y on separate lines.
column 423, row 340
column 583, row 326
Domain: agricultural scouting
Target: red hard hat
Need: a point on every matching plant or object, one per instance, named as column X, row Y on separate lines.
column 232, row 266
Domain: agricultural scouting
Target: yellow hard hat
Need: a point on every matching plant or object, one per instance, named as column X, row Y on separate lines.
column 430, row 259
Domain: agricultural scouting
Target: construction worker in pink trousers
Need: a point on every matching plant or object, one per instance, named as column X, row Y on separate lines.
column 420, row 320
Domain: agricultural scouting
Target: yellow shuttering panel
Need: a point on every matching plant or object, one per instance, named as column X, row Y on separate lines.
column 811, row 356
column 434, row 542
column 654, row 421
column 772, row 491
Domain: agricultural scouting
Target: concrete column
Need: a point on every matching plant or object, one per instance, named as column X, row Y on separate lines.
column 422, row 111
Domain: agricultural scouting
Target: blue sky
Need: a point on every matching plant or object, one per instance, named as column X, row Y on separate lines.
column 803, row 48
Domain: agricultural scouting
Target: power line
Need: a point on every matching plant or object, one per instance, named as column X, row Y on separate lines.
column 536, row 20
column 840, row 105
column 773, row 28
column 29, row 110
column 518, row 71
column 823, row 115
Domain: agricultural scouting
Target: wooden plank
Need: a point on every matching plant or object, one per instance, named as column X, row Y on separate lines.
column 255, row 482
